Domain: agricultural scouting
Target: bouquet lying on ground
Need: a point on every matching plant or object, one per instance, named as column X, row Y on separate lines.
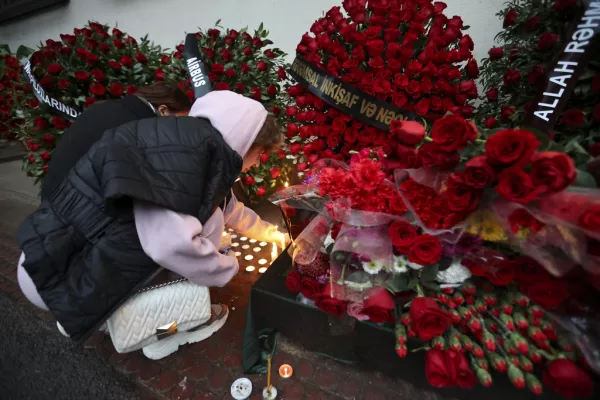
column 483, row 252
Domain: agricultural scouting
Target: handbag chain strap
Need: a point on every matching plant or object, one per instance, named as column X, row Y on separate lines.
column 146, row 289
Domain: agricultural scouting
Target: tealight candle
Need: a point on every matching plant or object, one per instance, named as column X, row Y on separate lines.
column 285, row 371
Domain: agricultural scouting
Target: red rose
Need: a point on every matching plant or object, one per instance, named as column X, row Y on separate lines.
column 492, row 94
column 425, row 250
column 553, row 170
column 452, row 133
column 567, row 379
column 496, row 53
column 63, row 84
column 548, row 294
column 460, row 195
column 114, row 65
column 500, row 273
column 249, row 180
column 127, row 61
column 490, row 122
column 262, row 66
column 222, row 86
column 116, row 89
column 511, row 147
column 159, row 74
column 547, row 40
column 430, row 155
column 573, row 118
column 59, row 123
column 332, row 305
column 292, row 281
column 514, row 184
column 54, row 69
column 478, row 173
column 427, row 320
column 532, row 23
column 261, row 191
column 97, row 74
column 375, row 48
column 272, row 90
column 97, row 89
column 522, row 219
column 472, row 69
column 511, row 76
column 465, row 378
column 70, row 39
column 535, row 75
column 590, row 218
column 506, row 113
column 564, row 5
column 402, row 235
column 141, row 58
column 510, row 18
column 379, row 307
column 81, row 75
column 528, row 271
column 409, row 133
column 40, row 122
column 439, row 371
column 44, row 155
column 281, row 73
column 131, row 89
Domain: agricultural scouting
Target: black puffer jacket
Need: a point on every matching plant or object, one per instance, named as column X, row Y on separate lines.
column 81, row 246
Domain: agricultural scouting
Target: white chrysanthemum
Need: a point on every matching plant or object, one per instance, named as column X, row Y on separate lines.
column 400, row 264
column 372, row 267
column 454, row 275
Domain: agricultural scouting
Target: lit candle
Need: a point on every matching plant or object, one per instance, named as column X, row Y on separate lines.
column 282, row 241
column 285, row 371
column 269, row 373
column 286, row 184
column 274, row 252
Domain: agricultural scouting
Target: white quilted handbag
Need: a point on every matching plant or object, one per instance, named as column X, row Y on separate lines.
column 157, row 312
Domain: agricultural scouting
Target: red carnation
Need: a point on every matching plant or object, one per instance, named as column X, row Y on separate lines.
column 567, row 379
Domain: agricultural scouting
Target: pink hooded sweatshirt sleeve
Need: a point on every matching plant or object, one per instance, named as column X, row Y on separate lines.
column 180, row 243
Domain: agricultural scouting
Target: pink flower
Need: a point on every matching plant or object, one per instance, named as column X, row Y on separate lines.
column 356, row 310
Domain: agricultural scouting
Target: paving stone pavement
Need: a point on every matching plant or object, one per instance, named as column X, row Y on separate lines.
column 207, row 369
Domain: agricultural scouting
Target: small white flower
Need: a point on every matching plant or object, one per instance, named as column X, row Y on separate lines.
column 400, row 264
column 372, row 267
column 455, row 274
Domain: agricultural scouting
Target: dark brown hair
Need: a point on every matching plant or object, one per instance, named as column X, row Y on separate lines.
column 168, row 94
column 269, row 137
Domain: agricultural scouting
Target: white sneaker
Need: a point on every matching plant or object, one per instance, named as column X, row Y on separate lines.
column 168, row 346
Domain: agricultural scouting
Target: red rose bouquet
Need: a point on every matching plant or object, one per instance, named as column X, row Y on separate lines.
column 534, row 32
column 405, row 53
column 247, row 64
column 92, row 64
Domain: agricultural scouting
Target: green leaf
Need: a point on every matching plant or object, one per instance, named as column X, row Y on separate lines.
column 542, row 137
column 429, row 273
column 431, row 285
column 218, row 22
column 24, row 52
column 585, row 179
column 399, row 283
